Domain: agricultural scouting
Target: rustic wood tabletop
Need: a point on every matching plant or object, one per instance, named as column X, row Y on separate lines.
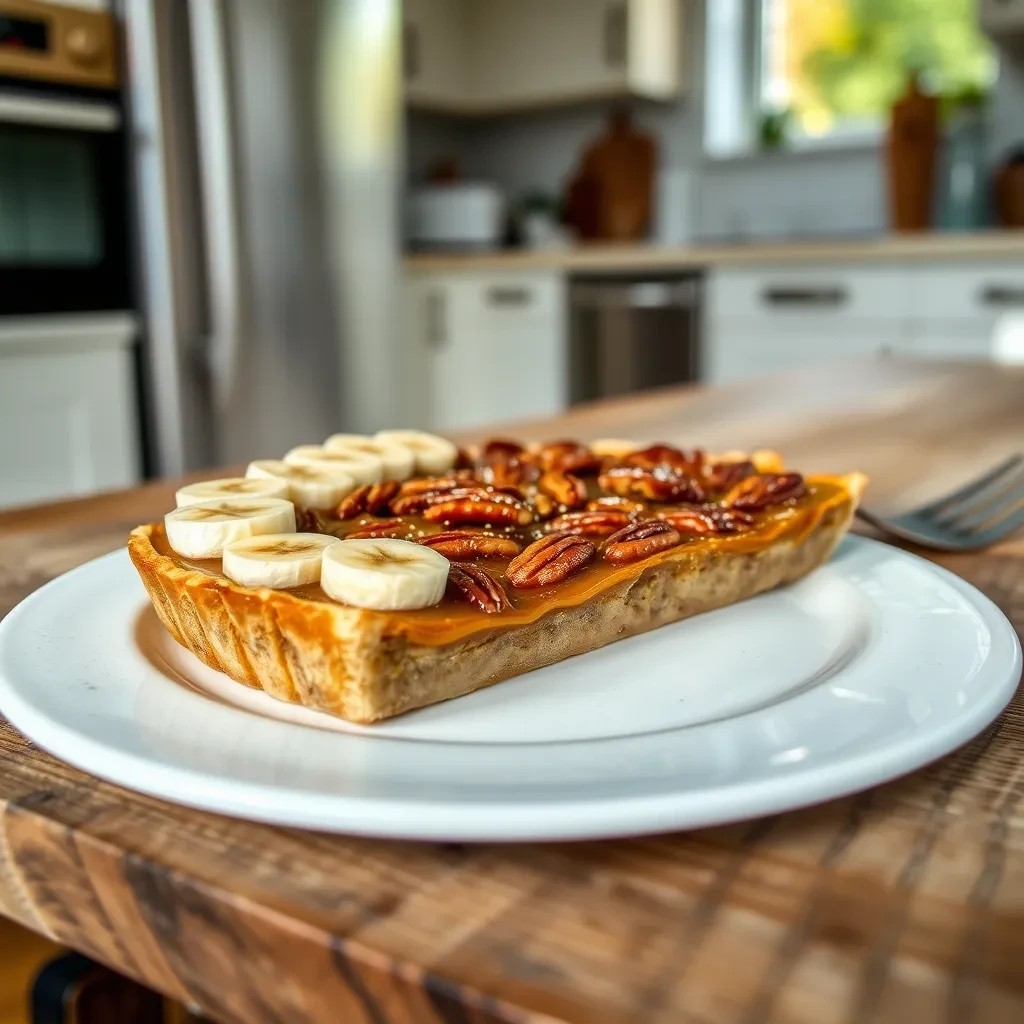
column 904, row 903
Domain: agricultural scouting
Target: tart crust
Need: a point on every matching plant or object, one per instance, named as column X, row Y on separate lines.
column 361, row 666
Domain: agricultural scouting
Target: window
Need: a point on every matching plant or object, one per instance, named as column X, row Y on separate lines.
column 832, row 68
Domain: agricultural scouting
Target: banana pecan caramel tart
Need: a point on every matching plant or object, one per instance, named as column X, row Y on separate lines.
column 368, row 576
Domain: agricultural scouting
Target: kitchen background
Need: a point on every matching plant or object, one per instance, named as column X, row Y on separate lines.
column 231, row 226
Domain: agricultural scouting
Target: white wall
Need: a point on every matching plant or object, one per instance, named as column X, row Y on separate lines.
column 827, row 192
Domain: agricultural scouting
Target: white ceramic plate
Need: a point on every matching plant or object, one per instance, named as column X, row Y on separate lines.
column 875, row 665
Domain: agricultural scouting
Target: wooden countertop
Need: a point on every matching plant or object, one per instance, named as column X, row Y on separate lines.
column 996, row 245
column 899, row 904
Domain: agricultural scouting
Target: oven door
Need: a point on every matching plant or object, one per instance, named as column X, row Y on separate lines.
column 63, row 203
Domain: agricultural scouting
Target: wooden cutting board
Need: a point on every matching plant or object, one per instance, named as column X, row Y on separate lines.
column 611, row 196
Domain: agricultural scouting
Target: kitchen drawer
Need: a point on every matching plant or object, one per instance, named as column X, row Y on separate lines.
column 794, row 294
column 510, row 295
column 967, row 291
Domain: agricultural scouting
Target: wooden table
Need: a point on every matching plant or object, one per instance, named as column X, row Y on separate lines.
column 905, row 903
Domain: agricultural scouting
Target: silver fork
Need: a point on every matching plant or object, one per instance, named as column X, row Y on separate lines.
column 985, row 510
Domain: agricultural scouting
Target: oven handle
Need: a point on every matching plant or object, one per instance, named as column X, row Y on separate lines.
column 76, row 115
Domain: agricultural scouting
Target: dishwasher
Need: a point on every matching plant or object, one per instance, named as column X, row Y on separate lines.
column 628, row 334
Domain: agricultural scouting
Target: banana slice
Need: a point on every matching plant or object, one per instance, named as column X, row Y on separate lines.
column 361, row 466
column 308, row 486
column 278, row 560
column 384, row 574
column 434, row 455
column 231, row 487
column 398, row 461
column 201, row 530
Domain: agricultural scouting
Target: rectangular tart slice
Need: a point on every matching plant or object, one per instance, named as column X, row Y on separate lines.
column 554, row 550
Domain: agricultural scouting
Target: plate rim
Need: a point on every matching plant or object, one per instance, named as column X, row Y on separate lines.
column 554, row 820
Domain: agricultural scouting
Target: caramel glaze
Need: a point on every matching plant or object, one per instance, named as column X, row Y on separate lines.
column 453, row 619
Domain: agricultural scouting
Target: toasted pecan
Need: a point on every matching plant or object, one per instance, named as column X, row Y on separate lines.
column 765, row 489
column 590, row 522
column 481, row 507
column 368, row 499
column 658, row 484
column 475, row 584
column 459, row 545
column 706, row 519
column 549, row 560
column 640, row 540
column 564, row 488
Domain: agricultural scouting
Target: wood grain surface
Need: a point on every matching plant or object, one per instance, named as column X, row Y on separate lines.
column 904, row 903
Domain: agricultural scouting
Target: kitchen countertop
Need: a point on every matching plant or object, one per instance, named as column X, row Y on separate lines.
column 898, row 904
column 627, row 258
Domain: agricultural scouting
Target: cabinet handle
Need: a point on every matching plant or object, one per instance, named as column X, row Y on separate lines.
column 786, row 296
column 436, row 335
column 508, row 295
column 1002, row 295
column 410, row 51
column 615, row 35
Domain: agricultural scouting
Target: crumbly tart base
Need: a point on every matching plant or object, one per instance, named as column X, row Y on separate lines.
column 359, row 665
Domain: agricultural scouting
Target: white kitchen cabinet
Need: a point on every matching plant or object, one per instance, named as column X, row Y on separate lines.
column 434, row 53
column 485, row 346
column 968, row 310
column 67, row 407
column 470, row 57
column 759, row 320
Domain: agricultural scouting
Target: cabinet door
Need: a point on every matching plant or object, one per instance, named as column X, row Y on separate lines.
column 67, row 424
column 758, row 320
column 496, row 347
column 435, row 53
column 735, row 349
column 971, row 310
column 535, row 50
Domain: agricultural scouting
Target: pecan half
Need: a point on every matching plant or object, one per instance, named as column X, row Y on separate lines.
column 482, row 508
column 549, row 560
column 505, row 473
column 566, row 489
column 592, row 523
column 308, row 520
column 658, row 484
column 668, row 457
column 765, row 489
column 499, row 447
column 705, row 519
column 543, row 506
column 458, row 545
column 476, row 585
column 640, row 540
column 370, row 498
column 720, row 476
column 383, row 528
column 569, row 457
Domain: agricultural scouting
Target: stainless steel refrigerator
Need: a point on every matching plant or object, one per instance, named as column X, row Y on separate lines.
column 265, row 137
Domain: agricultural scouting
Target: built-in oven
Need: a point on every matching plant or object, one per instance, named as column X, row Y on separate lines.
column 64, row 236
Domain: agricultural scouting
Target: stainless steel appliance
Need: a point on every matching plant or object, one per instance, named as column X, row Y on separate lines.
column 632, row 333
column 266, row 145
column 64, row 240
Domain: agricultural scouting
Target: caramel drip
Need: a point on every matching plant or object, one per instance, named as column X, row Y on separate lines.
column 453, row 619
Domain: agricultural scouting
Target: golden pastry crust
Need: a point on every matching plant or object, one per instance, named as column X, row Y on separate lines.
column 362, row 666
